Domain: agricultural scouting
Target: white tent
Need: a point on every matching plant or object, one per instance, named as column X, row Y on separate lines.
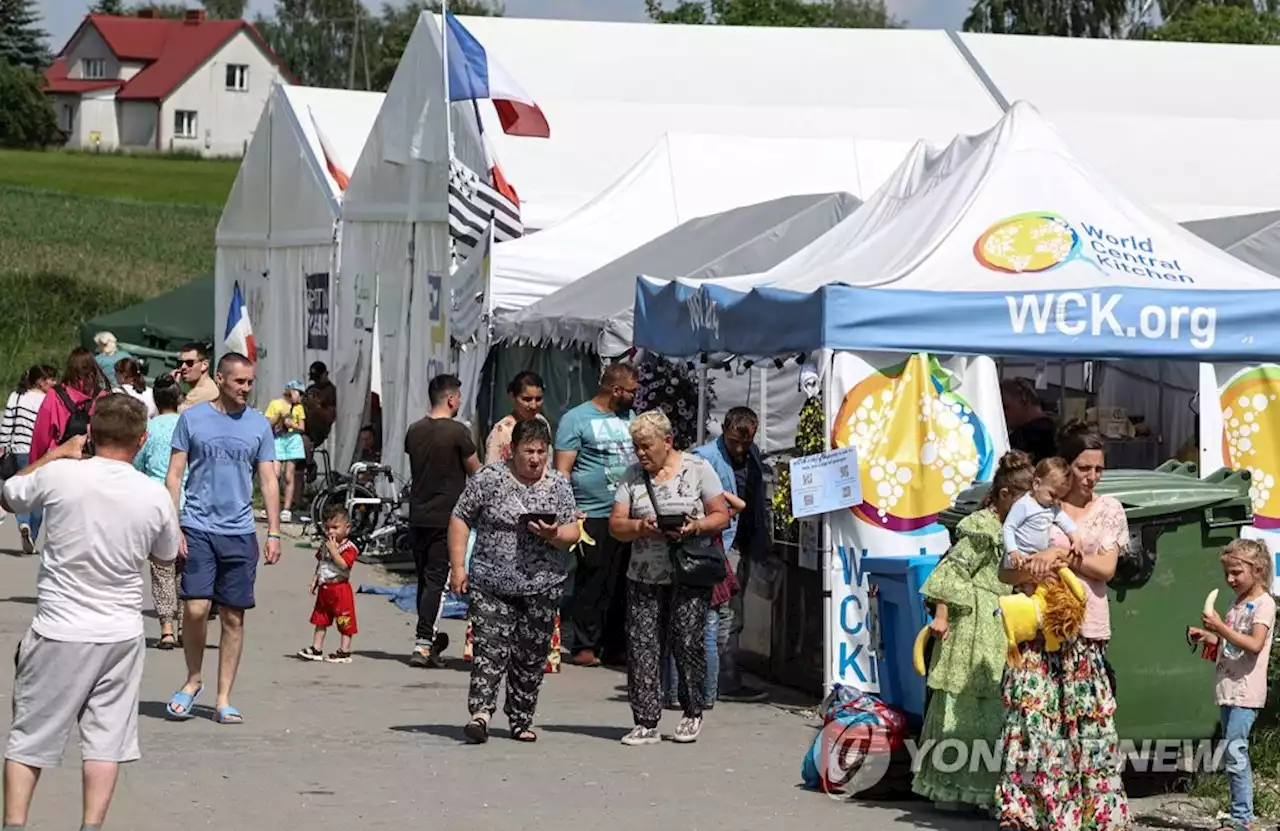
column 1138, row 110
column 279, row 227
column 682, row 177
column 396, row 254
column 1004, row 243
column 611, row 90
column 1189, row 128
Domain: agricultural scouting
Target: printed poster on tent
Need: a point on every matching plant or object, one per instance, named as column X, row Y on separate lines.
column 1240, row 429
column 923, row 432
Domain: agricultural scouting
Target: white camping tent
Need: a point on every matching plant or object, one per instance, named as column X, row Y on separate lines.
column 396, row 254
column 611, row 90
column 278, row 235
column 682, row 177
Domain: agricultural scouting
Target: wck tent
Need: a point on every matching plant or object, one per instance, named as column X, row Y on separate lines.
column 1004, row 244
column 278, row 235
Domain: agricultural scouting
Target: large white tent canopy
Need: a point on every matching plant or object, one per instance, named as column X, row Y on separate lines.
column 1189, row 128
column 281, row 223
column 611, row 90
column 1136, row 110
column 682, row 177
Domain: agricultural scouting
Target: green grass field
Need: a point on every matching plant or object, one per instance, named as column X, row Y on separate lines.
column 84, row 234
column 181, row 181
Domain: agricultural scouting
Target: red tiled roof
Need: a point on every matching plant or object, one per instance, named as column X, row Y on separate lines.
column 56, row 80
column 172, row 50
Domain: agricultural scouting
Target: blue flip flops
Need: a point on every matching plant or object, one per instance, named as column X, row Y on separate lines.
column 186, row 701
column 229, row 715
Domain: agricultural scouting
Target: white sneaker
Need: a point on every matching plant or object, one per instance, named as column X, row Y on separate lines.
column 641, row 736
column 286, row 516
column 28, row 542
column 688, row 730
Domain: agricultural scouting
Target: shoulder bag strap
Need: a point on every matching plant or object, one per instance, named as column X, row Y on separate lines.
column 66, row 398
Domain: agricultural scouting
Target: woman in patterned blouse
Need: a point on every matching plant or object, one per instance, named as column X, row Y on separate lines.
column 517, row 574
column 526, row 402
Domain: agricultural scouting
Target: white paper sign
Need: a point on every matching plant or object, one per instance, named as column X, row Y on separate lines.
column 825, row 482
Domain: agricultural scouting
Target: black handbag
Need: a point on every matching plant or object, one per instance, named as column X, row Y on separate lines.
column 9, row 466
column 696, row 563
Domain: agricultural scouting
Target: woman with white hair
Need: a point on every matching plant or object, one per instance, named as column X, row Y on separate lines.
column 672, row 507
column 109, row 352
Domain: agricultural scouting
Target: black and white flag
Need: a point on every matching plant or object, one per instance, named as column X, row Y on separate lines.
column 473, row 203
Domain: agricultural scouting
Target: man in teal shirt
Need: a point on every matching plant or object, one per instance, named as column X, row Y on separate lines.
column 593, row 448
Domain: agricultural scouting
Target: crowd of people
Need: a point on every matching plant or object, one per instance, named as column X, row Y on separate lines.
column 640, row 550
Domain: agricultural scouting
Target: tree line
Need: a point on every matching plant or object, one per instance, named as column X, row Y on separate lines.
column 345, row 44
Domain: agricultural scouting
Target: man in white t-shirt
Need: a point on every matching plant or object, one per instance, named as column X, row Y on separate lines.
column 81, row 661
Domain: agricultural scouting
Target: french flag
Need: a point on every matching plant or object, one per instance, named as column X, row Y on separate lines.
column 239, row 337
column 474, row 74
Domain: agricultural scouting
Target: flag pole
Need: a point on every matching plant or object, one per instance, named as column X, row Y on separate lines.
column 444, row 59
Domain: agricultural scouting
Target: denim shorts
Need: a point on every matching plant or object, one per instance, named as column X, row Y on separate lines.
column 221, row 568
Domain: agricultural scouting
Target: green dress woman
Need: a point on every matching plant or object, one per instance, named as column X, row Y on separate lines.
column 969, row 652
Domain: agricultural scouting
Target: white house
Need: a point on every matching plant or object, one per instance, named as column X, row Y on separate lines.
column 146, row 82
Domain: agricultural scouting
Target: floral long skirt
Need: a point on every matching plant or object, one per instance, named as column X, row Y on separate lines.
column 1062, row 760
column 553, row 652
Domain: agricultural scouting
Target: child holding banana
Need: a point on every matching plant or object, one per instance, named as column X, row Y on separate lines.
column 1243, row 644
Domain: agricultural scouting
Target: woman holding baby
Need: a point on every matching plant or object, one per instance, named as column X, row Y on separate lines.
column 1062, row 763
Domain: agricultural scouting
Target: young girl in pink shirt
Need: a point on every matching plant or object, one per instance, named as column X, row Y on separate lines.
column 1244, row 650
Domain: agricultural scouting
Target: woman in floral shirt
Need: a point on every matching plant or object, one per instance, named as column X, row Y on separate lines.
column 526, row 402
column 1062, row 759
column 516, row 576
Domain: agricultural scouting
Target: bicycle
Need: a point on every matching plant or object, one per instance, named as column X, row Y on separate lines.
column 376, row 521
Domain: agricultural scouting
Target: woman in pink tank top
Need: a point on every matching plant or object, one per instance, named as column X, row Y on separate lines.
column 1061, row 750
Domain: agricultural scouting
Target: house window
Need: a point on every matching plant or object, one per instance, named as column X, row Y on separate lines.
column 238, row 77
column 184, row 124
column 68, row 117
column 95, row 69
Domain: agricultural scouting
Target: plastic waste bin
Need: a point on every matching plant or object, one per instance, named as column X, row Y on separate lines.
column 899, row 613
column 1178, row 523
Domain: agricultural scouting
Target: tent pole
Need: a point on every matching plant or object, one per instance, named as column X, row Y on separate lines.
column 702, row 402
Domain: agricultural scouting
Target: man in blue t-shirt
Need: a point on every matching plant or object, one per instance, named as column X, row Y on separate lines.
column 593, row 448
column 219, row 444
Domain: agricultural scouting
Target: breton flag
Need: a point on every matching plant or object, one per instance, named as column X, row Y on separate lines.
column 239, row 336
column 474, row 203
column 474, row 74
column 331, row 160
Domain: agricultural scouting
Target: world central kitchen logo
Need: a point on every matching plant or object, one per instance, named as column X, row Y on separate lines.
column 1036, row 242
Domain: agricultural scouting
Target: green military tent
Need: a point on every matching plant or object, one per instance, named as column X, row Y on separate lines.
column 162, row 323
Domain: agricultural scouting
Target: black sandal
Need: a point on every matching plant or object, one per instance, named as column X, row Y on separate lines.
column 476, row 731
column 167, row 641
column 524, row 734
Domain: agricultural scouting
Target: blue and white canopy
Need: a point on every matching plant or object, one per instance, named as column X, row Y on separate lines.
column 1002, row 243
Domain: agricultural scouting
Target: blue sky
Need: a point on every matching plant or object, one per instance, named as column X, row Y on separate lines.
column 62, row 16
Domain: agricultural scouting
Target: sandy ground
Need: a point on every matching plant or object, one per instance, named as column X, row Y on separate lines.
column 378, row 745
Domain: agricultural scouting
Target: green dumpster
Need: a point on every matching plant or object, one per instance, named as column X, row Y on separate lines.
column 1177, row 525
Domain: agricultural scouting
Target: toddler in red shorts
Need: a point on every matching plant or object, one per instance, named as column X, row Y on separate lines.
column 335, row 602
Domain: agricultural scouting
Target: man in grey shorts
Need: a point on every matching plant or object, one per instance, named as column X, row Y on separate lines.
column 81, row 661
